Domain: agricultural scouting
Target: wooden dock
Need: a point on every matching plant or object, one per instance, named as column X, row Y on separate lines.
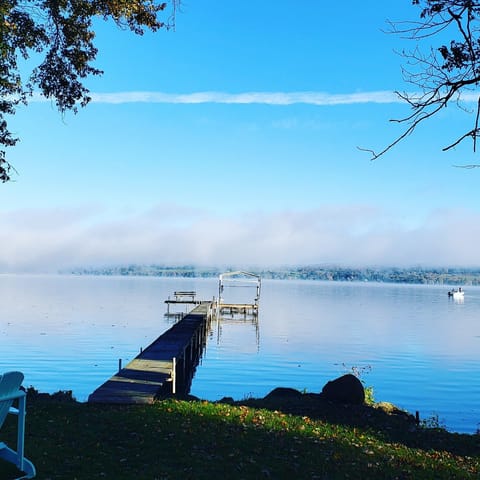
column 165, row 367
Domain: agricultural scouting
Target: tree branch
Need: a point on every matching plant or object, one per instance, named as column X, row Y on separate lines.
column 446, row 71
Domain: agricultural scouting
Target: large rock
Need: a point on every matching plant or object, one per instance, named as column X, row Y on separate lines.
column 345, row 389
column 283, row 393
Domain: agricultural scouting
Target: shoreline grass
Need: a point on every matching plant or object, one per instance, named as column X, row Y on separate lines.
column 192, row 439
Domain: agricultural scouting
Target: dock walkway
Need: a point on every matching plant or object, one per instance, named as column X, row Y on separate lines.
column 157, row 369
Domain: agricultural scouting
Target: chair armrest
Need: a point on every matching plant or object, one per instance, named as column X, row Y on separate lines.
column 20, row 395
column 13, row 396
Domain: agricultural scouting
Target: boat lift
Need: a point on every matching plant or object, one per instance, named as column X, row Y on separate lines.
column 238, row 279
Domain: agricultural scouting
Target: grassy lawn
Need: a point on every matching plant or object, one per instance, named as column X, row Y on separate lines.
column 174, row 439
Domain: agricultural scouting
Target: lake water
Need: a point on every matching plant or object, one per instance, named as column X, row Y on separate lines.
column 415, row 346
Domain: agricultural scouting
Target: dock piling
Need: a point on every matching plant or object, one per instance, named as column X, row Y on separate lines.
column 173, row 375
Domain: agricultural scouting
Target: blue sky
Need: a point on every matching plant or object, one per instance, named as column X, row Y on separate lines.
column 233, row 140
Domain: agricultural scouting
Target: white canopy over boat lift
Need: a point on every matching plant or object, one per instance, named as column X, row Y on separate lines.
column 238, row 279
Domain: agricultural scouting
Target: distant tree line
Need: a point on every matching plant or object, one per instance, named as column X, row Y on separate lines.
column 427, row 276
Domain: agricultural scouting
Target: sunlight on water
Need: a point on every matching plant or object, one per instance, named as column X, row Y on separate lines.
column 68, row 333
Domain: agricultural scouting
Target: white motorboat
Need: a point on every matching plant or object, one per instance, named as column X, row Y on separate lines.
column 457, row 294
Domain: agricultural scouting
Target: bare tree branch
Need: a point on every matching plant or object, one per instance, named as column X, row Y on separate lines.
column 446, row 72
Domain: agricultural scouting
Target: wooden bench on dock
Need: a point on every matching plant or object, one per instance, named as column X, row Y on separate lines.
column 184, row 297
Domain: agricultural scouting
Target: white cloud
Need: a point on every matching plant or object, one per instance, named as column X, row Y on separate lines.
column 250, row 98
column 349, row 235
column 266, row 98
column 245, row 98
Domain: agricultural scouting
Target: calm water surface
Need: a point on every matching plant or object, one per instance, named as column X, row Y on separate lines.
column 417, row 348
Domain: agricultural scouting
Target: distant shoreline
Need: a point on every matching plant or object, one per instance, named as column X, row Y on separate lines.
column 412, row 275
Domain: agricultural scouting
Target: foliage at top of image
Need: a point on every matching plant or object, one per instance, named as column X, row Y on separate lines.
column 61, row 34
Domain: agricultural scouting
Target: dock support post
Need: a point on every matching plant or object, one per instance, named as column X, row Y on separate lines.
column 174, row 372
column 119, row 364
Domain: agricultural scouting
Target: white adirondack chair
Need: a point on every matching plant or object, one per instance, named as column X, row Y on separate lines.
column 9, row 392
